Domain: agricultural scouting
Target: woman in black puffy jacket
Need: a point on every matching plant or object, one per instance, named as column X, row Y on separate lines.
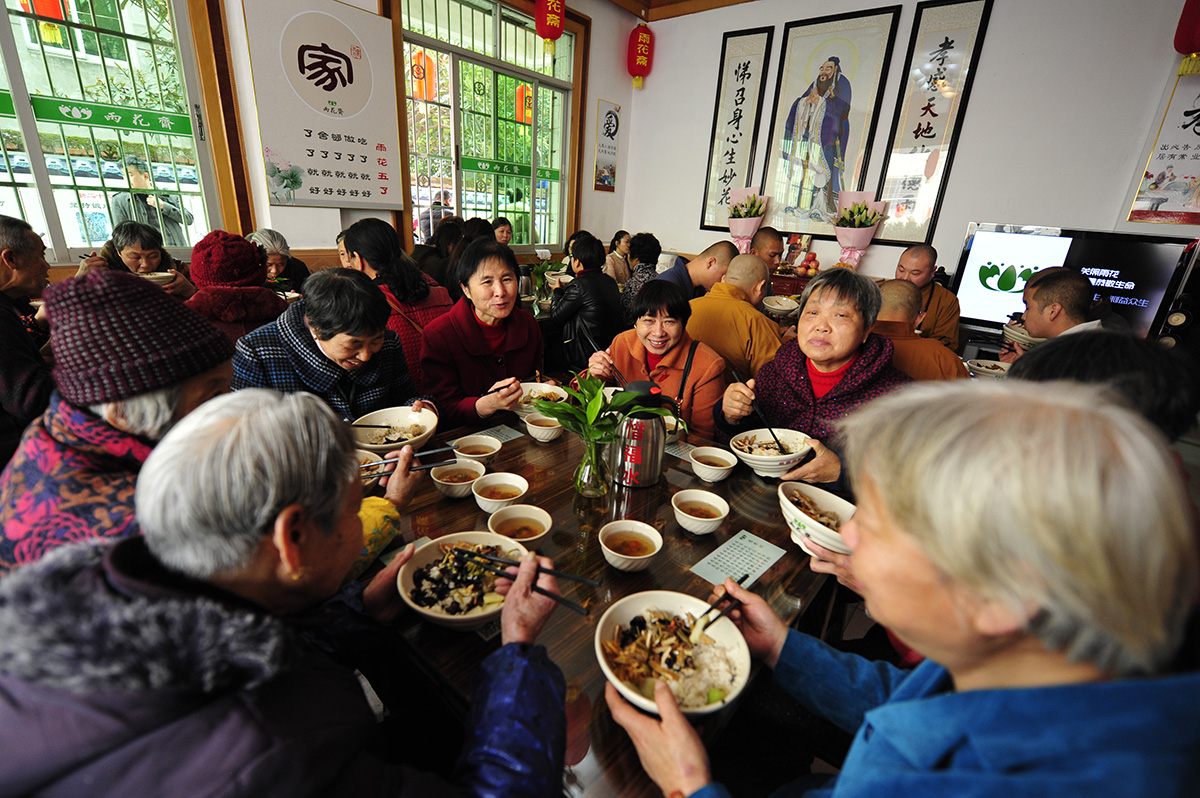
column 588, row 309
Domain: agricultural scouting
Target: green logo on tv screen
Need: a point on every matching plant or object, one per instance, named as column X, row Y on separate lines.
column 1005, row 279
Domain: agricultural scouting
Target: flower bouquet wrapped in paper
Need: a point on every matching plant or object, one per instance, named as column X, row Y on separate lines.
column 858, row 217
column 746, row 212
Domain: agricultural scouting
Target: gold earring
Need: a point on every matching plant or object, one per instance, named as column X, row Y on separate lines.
column 297, row 574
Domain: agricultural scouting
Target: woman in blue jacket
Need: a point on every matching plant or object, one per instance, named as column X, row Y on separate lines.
column 1046, row 574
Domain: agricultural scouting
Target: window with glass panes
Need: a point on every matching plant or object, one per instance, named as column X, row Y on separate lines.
column 487, row 116
column 108, row 115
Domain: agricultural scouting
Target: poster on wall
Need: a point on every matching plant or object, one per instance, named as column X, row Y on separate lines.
column 827, row 102
column 741, row 80
column 325, row 87
column 1168, row 189
column 608, row 136
column 943, row 53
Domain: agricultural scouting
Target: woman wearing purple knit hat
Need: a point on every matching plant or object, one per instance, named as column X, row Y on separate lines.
column 130, row 361
column 230, row 274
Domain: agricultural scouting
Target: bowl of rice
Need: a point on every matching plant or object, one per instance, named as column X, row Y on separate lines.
column 705, row 676
column 758, row 450
column 814, row 514
column 395, row 427
column 451, row 591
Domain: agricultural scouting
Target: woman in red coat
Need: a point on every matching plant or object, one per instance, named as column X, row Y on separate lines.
column 372, row 247
column 475, row 357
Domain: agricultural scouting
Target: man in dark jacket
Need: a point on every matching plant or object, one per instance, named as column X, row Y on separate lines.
column 163, row 212
column 589, row 307
column 429, row 218
column 25, row 382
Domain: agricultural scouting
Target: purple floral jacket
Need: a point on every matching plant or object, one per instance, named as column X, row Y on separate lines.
column 71, row 479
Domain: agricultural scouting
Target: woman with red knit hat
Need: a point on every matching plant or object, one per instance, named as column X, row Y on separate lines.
column 230, row 274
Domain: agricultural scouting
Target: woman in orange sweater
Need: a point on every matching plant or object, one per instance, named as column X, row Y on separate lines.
column 658, row 348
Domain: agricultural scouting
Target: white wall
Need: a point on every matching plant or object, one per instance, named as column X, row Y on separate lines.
column 318, row 227
column 1054, row 133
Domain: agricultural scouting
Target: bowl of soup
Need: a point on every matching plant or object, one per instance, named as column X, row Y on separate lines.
column 542, row 428
column 629, row 545
column 522, row 522
column 158, row 278
column 699, row 511
column 496, row 491
column 455, row 481
column 482, row 448
column 711, row 464
column 674, row 430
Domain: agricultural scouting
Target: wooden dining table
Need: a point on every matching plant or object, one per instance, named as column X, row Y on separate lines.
column 601, row 761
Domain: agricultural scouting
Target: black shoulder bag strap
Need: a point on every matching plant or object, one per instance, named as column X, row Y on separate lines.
column 687, row 369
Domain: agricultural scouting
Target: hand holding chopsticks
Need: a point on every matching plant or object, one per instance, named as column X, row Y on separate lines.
column 609, row 363
column 733, row 604
column 481, row 560
column 754, row 404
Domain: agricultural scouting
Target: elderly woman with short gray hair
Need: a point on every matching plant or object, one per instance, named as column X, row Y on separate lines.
column 284, row 271
column 179, row 662
column 1051, row 606
column 834, row 365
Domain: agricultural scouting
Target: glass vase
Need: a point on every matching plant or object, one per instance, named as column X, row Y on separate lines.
column 593, row 477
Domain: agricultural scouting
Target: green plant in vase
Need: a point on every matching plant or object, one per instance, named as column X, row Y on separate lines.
column 596, row 420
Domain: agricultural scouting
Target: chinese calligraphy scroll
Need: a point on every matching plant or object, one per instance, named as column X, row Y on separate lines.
column 1168, row 189
column 946, row 39
column 745, row 57
column 324, row 84
column 827, row 103
column 608, row 136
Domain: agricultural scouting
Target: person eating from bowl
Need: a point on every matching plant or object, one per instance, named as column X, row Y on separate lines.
column 832, row 366
column 335, row 343
column 284, row 272
column 659, row 349
column 138, row 248
column 211, row 656
column 130, row 362
column 1051, row 609
column 475, row 357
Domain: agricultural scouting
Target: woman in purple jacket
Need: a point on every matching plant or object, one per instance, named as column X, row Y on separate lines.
column 207, row 657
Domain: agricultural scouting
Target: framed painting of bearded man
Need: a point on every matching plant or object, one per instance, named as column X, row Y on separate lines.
column 827, row 102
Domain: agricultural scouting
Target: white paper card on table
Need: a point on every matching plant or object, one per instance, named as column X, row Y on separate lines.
column 680, row 449
column 501, row 432
column 743, row 554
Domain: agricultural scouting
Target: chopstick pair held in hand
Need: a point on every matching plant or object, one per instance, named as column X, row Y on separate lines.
column 566, row 602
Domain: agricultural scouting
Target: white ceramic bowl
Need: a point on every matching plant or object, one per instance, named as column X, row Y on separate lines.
column 623, row 562
column 1020, row 335
column 711, row 473
column 290, row 297
column 493, row 480
column 781, row 306
column 493, row 445
column 524, row 408
column 803, row 527
column 431, row 552
column 772, row 465
column 367, row 438
column 724, row 632
column 456, row 490
column 158, row 278
column 610, row 392
column 693, row 524
column 498, row 520
column 542, row 433
column 370, row 457
column 993, row 369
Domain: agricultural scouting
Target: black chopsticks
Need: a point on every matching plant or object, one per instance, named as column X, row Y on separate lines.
column 551, row 571
column 754, row 404
column 423, row 467
column 566, row 602
column 616, row 371
column 733, row 603
column 372, row 426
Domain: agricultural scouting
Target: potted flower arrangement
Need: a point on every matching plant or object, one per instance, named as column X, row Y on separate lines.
column 746, row 212
column 855, row 224
column 595, row 419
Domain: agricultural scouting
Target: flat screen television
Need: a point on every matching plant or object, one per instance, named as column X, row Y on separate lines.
column 1138, row 274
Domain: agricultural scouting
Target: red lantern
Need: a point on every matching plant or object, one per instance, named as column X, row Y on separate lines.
column 1187, row 33
column 641, row 53
column 548, row 15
